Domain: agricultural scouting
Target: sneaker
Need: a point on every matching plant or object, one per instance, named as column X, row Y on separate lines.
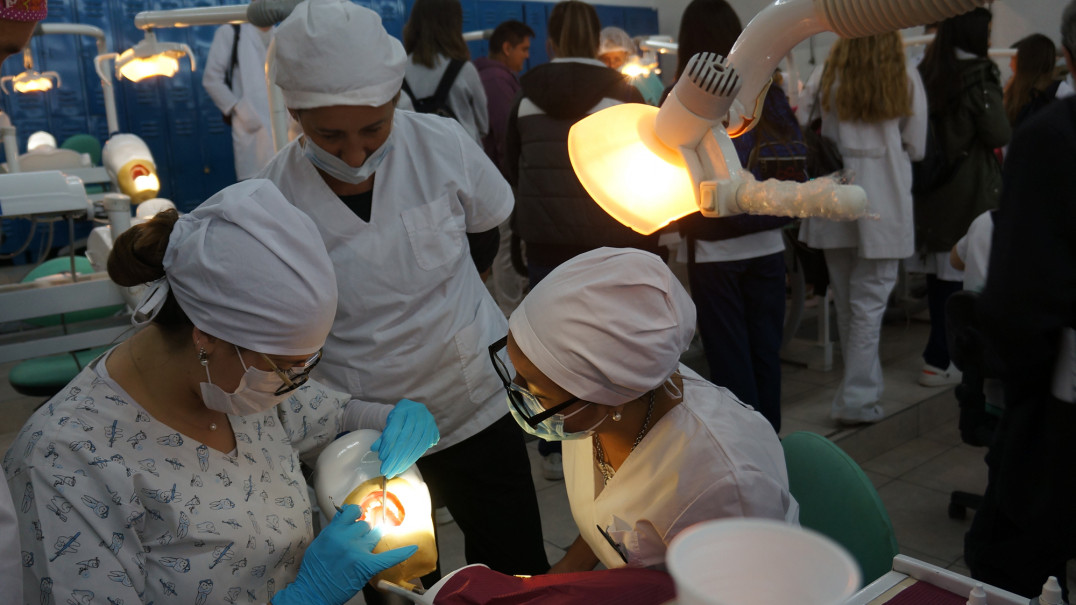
column 937, row 377
column 867, row 414
column 552, row 468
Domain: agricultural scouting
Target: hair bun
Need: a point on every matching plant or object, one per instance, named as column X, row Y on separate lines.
column 137, row 255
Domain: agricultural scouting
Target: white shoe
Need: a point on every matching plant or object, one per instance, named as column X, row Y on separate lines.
column 552, row 467
column 936, row 377
column 867, row 414
column 442, row 515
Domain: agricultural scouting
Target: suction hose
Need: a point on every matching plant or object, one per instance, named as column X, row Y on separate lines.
column 266, row 13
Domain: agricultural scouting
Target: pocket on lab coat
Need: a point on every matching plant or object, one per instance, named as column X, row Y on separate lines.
column 436, row 234
column 478, row 373
column 245, row 119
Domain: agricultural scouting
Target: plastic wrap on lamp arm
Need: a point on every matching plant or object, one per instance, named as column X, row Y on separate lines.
column 823, row 197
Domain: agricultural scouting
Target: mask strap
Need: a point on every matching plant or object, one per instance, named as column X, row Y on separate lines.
column 670, row 388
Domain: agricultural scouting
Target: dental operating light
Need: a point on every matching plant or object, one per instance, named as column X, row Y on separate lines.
column 29, row 80
column 148, row 59
column 647, row 166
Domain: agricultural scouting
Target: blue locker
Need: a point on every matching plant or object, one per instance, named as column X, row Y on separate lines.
column 393, row 13
column 215, row 137
column 640, row 21
column 610, row 16
column 492, row 14
column 536, row 15
column 96, row 13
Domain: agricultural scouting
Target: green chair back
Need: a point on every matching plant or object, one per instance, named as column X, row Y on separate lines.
column 837, row 499
column 62, row 265
column 84, row 143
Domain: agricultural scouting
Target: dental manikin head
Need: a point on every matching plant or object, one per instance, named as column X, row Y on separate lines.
column 605, row 328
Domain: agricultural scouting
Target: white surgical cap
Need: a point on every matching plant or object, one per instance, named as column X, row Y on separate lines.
column 334, row 52
column 250, row 268
column 607, row 326
column 614, row 39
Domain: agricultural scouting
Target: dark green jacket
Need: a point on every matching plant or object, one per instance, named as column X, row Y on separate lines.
column 969, row 135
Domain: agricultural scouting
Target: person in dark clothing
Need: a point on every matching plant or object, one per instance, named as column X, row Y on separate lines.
column 1023, row 533
column 736, row 265
column 555, row 217
column 1033, row 85
column 967, row 117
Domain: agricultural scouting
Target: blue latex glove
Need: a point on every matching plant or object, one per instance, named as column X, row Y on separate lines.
column 339, row 562
column 409, row 432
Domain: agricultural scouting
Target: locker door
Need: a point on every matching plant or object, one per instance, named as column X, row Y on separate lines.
column 393, row 13
column 640, row 21
column 610, row 15
column 60, row 53
column 214, row 136
column 535, row 14
column 492, row 13
column 96, row 13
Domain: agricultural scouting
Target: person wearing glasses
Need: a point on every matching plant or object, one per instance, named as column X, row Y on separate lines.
column 650, row 447
column 169, row 470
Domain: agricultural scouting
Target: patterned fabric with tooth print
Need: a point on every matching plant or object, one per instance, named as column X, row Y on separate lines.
column 116, row 507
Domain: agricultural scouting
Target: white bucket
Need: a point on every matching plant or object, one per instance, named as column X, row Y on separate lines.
column 759, row 562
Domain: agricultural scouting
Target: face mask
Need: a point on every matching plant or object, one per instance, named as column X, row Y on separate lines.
column 339, row 169
column 552, row 428
column 256, row 392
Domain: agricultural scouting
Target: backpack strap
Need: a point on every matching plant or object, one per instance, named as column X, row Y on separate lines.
column 440, row 96
column 235, row 57
column 407, row 90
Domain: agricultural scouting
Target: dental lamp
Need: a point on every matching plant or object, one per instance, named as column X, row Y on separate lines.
column 150, row 58
column 29, row 80
column 647, row 166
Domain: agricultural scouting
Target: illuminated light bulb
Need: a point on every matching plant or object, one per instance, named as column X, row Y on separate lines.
column 147, row 182
column 635, row 70
column 31, row 81
column 137, row 70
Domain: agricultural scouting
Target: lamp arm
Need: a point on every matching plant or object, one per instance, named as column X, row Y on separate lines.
column 190, row 55
column 774, row 31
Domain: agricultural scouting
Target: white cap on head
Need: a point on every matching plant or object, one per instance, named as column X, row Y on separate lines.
column 614, row 39
column 248, row 267
column 607, row 326
column 334, row 52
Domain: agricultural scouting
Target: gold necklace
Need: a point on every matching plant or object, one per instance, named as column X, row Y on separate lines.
column 599, row 453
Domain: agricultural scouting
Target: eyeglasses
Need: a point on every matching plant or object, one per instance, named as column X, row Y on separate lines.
column 516, row 392
column 295, row 376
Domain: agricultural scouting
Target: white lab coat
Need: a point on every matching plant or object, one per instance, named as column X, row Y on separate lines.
column 252, row 139
column 710, row 457
column 879, row 154
column 414, row 318
column 115, row 506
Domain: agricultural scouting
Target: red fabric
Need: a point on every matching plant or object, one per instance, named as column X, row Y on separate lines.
column 622, row 586
column 922, row 593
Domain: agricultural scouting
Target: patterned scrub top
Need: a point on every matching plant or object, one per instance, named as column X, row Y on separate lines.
column 117, row 508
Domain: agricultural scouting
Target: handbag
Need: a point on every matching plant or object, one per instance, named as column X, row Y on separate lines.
column 823, row 155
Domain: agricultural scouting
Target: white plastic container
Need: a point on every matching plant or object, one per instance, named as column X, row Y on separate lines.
column 759, row 562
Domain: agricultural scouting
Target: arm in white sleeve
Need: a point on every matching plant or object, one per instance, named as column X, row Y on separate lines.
column 220, row 54
column 365, row 415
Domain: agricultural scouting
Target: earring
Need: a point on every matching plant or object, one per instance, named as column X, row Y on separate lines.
column 203, row 357
column 617, row 416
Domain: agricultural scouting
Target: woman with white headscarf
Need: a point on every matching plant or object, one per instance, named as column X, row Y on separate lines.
column 408, row 207
column 168, row 469
column 650, row 447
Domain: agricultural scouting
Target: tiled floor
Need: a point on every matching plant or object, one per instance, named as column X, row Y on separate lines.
column 914, row 456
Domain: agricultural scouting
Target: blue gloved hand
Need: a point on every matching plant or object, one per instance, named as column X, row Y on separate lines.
column 410, row 431
column 339, row 562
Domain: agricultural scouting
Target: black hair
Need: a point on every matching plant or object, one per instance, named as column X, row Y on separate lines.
column 513, row 32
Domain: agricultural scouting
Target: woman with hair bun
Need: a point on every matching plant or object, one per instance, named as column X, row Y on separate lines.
column 168, row 469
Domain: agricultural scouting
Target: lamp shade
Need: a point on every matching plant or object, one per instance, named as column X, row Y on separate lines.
column 32, row 81
column 136, row 69
column 632, row 175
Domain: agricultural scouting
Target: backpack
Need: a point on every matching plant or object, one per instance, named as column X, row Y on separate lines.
column 438, row 102
column 934, row 169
